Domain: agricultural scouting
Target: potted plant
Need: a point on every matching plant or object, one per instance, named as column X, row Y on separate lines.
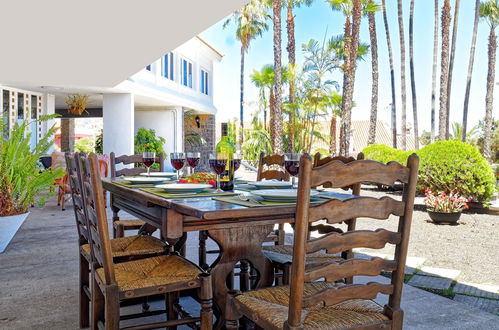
column 443, row 207
column 76, row 103
column 22, row 180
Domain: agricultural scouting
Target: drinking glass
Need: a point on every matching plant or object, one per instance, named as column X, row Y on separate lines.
column 292, row 166
column 148, row 158
column 177, row 160
column 237, row 160
column 193, row 159
column 218, row 163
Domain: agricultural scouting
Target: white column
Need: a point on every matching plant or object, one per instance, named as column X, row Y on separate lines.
column 179, row 129
column 118, row 123
column 48, row 108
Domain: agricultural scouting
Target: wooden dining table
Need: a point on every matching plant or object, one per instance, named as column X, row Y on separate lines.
column 239, row 230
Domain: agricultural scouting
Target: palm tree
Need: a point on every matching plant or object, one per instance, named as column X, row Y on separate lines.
column 264, row 79
column 374, row 65
column 352, row 9
column 402, row 73
column 489, row 10
column 451, row 64
column 276, row 112
column 291, row 48
column 434, row 72
column 444, row 71
column 413, row 78
column 470, row 70
column 251, row 23
column 392, row 76
column 334, row 102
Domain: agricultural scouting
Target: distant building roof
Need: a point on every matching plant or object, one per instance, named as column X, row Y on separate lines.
column 209, row 46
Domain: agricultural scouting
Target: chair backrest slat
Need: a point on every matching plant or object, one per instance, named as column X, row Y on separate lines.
column 332, row 296
column 336, row 211
column 339, row 174
column 93, row 196
column 336, row 242
column 271, row 167
column 132, row 159
column 72, row 170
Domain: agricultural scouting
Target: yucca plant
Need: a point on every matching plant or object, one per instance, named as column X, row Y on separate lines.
column 22, row 183
column 77, row 103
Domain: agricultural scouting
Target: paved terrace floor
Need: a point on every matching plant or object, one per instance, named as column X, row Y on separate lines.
column 39, row 282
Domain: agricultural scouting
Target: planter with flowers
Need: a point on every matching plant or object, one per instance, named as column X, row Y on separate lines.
column 445, row 208
column 22, row 181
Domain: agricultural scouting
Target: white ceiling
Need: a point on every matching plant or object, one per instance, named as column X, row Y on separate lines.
column 95, row 43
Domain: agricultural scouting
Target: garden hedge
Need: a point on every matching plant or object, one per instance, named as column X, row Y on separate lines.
column 445, row 166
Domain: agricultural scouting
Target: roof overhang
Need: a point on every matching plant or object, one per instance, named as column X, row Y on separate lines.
column 96, row 43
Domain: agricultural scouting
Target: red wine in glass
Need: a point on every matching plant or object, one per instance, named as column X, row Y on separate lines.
column 177, row 163
column 193, row 161
column 237, row 164
column 292, row 166
column 148, row 161
column 148, row 158
column 218, row 165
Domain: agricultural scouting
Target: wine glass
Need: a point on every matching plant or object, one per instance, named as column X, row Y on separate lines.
column 218, row 163
column 193, row 159
column 292, row 165
column 148, row 159
column 177, row 160
column 237, row 160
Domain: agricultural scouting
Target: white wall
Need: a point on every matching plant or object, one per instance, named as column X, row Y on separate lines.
column 118, row 123
column 167, row 123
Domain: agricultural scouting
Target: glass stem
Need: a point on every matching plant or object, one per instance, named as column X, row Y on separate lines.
column 218, row 182
column 178, row 175
column 293, row 181
column 148, row 168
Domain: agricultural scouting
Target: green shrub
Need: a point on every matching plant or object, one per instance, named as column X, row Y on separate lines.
column 455, row 166
column 146, row 140
column 85, row 145
column 445, row 166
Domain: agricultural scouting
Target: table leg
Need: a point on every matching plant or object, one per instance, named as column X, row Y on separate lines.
column 237, row 244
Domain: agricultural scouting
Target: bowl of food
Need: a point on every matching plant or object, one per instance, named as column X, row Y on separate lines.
column 200, row 177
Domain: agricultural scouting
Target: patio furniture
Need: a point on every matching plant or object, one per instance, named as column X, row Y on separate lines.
column 311, row 304
column 120, row 226
column 282, row 255
column 114, row 283
column 122, row 249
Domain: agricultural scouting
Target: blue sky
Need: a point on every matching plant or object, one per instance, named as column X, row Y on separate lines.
column 319, row 20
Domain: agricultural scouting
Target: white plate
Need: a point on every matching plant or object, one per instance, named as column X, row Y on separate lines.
column 270, row 184
column 159, row 174
column 184, row 187
column 284, row 195
column 135, row 179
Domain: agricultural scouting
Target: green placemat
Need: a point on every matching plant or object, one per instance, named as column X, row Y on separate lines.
column 259, row 203
column 245, row 187
column 164, row 194
column 136, row 185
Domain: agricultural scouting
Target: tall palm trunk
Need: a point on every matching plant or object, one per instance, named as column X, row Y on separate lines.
column 352, row 45
column 402, row 75
column 290, row 27
column 444, row 71
column 451, row 64
column 489, row 98
column 413, row 78
column 434, row 72
column 392, row 77
column 241, row 100
column 374, row 88
column 470, row 70
column 277, row 122
column 332, row 133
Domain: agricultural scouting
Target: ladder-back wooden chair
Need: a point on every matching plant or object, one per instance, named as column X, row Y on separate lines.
column 282, row 255
column 123, row 249
column 308, row 303
column 117, row 282
column 120, row 226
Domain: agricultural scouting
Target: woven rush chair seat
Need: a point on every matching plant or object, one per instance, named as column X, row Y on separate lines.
column 271, row 306
column 130, row 246
column 284, row 254
column 151, row 272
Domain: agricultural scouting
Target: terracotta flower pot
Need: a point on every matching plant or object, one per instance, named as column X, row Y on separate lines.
column 443, row 217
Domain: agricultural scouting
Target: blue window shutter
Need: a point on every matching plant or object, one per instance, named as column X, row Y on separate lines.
column 207, row 83
column 171, row 66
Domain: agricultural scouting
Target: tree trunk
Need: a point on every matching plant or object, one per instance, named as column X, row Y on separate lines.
column 434, row 73
column 489, row 98
column 470, row 71
column 272, row 116
column 241, row 101
column 332, row 133
column 349, row 79
column 444, row 71
column 277, row 124
column 402, row 75
column 451, row 64
column 392, row 77
column 413, row 78
column 374, row 88
column 290, row 26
